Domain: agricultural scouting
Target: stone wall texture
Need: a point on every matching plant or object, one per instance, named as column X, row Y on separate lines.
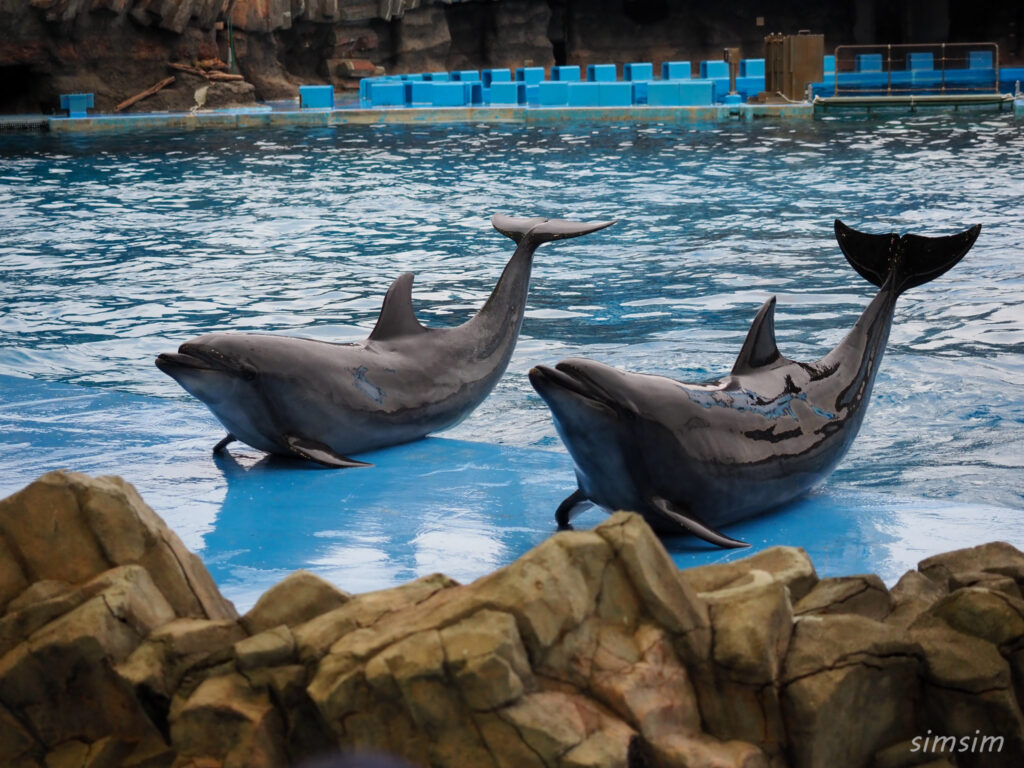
column 117, row 48
column 592, row 650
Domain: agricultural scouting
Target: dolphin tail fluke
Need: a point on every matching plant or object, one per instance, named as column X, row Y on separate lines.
column 534, row 232
column 912, row 260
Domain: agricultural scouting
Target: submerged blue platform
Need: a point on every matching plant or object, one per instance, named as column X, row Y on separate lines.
column 458, row 507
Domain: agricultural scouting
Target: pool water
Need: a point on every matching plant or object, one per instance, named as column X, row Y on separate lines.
column 113, row 249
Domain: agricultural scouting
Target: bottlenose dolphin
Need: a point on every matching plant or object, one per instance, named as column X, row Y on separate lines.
column 693, row 457
column 323, row 401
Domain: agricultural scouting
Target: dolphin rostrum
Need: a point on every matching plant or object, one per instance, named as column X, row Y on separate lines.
column 324, row 401
column 693, row 457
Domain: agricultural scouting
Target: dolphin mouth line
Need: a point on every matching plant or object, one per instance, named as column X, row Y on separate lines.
column 569, row 377
column 201, row 360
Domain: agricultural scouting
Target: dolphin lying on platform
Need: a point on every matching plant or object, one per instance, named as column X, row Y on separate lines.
column 693, row 457
column 323, row 401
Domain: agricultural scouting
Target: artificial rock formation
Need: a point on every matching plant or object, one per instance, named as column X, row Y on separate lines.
column 591, row 650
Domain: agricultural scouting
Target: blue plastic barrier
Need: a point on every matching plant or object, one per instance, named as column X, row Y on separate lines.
column 634, row 71
column 387, row 94
column 316, row 97
column 490, row 76
column 749, row 86
column 867, row 62
column 712, row 69
column 602, row 73
column 584, row 94
column 77, row 103
column 450, row 94
column 504, row 93
column 640, row 91
column 752, row 68
column 553, row 93
column 719, row 87
column 830, row 64
column 617, row 94
column 465, row 75
column 920, row 60
column 474, row 91
column 680, row 93
column 675, row 70
column 979, row 59
column 568, row 73
column 530, row 75
column 437, row 77
column 419, row 92
column 532, row 94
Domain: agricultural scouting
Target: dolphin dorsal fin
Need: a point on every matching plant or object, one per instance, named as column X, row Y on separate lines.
column 760, row 348
column 397, row 317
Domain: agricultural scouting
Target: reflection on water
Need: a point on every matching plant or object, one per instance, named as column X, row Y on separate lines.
column 115, row 249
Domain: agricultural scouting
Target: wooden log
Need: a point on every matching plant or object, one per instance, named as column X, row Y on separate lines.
column 212, row 64
column 144, row 94
column 186, row 68
column 223, row 76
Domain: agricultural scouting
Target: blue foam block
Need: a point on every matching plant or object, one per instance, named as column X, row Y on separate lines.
column 437, row 77
column 490, row 76
column 568, row 73
column 77, row 103
column 675, row 70
column 751, row 68
column 465, row 75
column 749, row 86
column 602, row 73
column 530, row 75
column 419, row 92
column 663, row 93
column 979, row 59
column 638, row 71
column 616, row 94
column 830, row 64
column 867, row 62
column 696, row 93
column 711, row 69
column 504, row 93
column 553, row 93
column 584, row 94
column 450, row 94
column 387, row 94
column 920, row 60
column 640, row 91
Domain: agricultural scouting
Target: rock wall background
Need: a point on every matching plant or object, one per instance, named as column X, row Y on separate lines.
column 590, row 651
column 117, row 48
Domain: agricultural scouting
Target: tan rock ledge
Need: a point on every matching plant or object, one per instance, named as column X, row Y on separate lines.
column 592, row 650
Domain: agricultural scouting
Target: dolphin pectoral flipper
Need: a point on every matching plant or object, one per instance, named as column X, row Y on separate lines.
column 690, row 525
column 914, row 259
column 320, row 453
column 536, row 231
column 228, row 440
column 573, row 505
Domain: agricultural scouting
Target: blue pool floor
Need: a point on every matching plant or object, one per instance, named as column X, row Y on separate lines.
column 461, row 508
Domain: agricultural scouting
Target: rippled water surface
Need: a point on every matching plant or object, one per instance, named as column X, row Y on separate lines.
column 113, row 249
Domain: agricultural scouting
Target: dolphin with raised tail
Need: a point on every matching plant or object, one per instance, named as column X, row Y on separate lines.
column 324, row 401
column 692, row 458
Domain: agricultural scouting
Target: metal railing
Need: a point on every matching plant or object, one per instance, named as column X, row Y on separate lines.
column 912, row 69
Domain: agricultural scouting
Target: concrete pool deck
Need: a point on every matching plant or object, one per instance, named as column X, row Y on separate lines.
column 264, row 117
column 462, row 508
